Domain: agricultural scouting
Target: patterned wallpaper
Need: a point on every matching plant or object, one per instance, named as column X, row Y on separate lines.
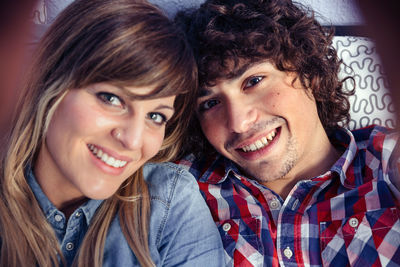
column 371, row 103
column 46, row 10
column 337, row 12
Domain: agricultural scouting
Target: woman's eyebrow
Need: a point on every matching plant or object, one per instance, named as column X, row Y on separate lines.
column 133, row 96
column 165, row 107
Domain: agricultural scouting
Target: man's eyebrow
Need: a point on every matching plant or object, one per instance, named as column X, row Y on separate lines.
column 203, row 92
column 232, row 76
column 246, row 66
column 239, row 72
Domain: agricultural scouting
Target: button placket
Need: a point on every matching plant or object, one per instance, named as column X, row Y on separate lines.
column 72, row 237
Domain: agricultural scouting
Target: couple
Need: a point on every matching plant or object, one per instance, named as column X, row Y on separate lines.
column 114, row 85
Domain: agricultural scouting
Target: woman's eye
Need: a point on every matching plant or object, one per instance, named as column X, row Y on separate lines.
column 110, row 99
column 208, row 104
column 157, row 118
column 253, row 81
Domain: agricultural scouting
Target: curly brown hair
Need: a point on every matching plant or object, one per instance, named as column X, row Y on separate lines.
column 226, row 33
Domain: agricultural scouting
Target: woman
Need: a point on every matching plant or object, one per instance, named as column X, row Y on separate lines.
column 98, row 101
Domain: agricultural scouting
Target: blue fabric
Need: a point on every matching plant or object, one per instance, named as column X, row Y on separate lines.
column 181, row 232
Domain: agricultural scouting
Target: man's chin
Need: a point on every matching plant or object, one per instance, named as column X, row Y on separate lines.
column 266, row 174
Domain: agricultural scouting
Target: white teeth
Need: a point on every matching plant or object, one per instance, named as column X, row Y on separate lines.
column 271, row 136
column 110, row 161
column 116, row 163
column 260, row 143
column 264, row 141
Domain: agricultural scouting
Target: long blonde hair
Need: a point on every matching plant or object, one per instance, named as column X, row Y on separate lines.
column 124, row 42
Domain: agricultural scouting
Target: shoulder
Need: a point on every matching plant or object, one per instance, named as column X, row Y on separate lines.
column 372, row 132
column 194, row 164
column 207, row 168
column 167, row 168
column 378, row 140
column 181, row 231
column 166, row 179
column 382, row 152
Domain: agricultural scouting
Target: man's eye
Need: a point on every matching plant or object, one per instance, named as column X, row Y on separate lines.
column 110, row 99
column 157, row 118
column 253, row 81
column 208, row 104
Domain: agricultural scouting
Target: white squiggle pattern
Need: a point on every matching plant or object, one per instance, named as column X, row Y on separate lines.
column 39, row 13
column 372, row 103
column 46, row 10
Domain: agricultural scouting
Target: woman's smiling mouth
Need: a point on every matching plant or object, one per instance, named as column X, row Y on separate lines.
column 107, row 159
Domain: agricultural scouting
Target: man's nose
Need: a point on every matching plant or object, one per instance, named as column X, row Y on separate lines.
column 241, row 116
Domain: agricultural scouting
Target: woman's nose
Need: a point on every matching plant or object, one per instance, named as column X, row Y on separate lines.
column 131, row 132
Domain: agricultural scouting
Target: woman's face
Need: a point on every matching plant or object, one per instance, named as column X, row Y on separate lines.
column 98, row 137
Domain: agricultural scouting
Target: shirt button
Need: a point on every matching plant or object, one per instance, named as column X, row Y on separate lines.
column 69, row 246
column 274, row 204
column 288, row 253
column 58, row 218
column 78, row 214
column 226, row 227
column 353, row 222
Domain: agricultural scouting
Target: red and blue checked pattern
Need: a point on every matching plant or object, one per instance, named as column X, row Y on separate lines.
column 348, row 216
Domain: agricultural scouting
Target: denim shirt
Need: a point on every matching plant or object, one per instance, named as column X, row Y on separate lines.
column 181, row 231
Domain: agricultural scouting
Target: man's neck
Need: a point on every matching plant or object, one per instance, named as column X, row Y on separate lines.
column 318, row 163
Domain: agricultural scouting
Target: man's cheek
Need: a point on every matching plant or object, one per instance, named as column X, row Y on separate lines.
column 209, row 131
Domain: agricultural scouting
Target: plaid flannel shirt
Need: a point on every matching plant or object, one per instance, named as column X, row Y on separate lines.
column 348, row 216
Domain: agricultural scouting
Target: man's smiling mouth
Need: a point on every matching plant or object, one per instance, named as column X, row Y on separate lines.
column 260, row 143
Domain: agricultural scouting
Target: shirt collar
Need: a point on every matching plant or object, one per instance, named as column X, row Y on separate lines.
column 88, row 208
column 216, row 169
column 343, row 138
column 371, row 139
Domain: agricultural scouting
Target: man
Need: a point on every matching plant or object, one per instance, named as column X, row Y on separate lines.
column 285, row 184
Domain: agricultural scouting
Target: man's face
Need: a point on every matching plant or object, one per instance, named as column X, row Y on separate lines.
column 263, row 122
